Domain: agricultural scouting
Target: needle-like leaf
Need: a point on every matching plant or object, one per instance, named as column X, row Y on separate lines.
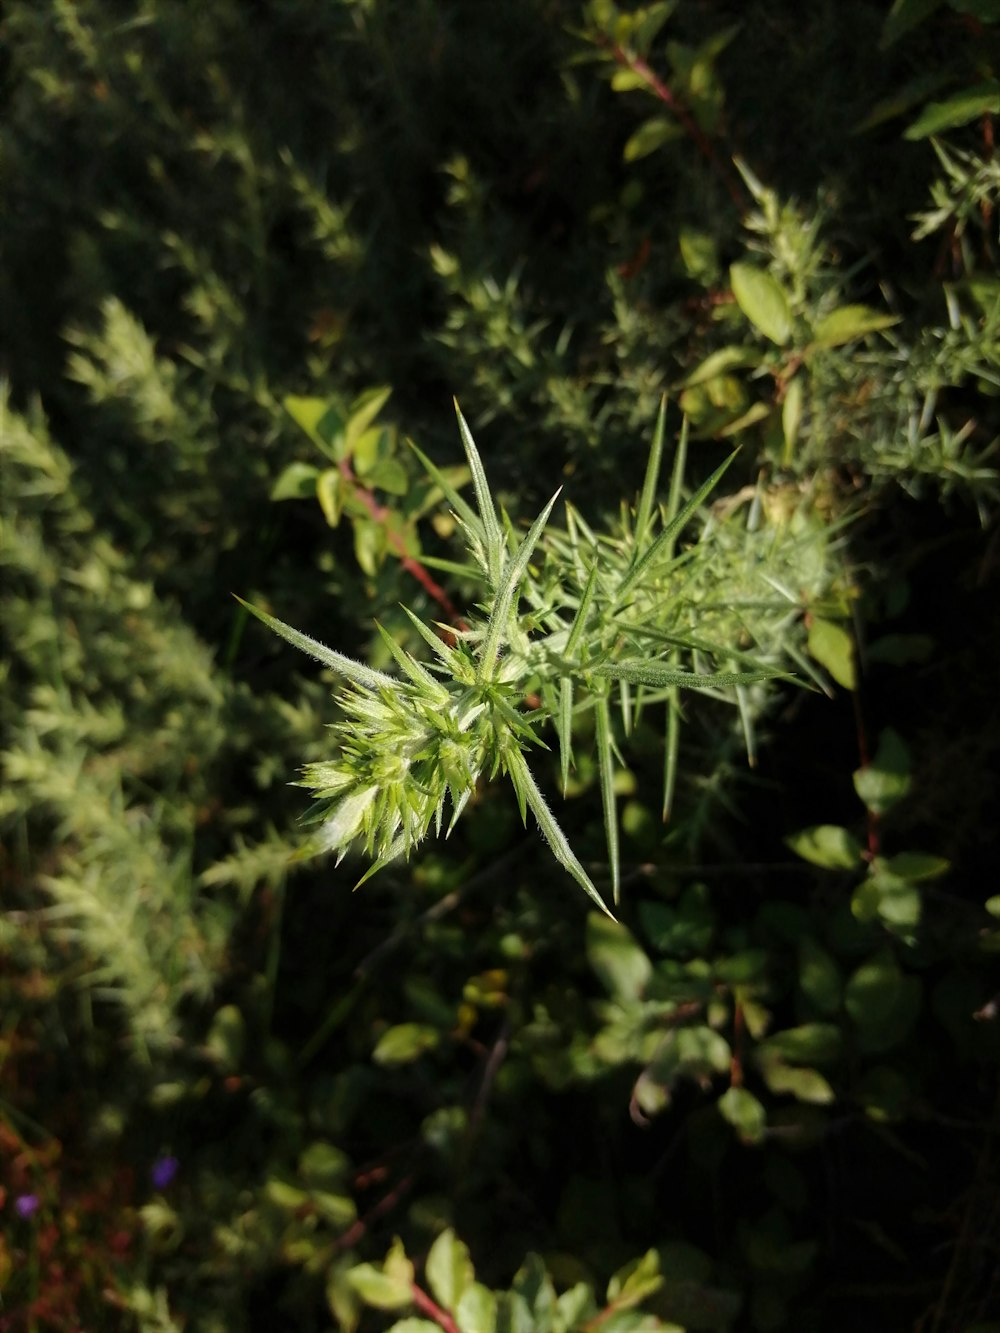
column 661, row 546
column 663, row 673
column 492, row 530
column 645, row 512
column 606, row 767
column 504, row 599
column 355, row 671
column 551, row 831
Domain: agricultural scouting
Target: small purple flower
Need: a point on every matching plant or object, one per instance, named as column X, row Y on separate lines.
column 26, row 1204
column 163, row 1171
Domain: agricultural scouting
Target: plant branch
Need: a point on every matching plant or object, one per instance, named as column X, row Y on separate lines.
column 428, row 1307
column 381, row 514
column 676, row 107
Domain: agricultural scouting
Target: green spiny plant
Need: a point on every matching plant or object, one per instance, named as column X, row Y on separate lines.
column 572, row 624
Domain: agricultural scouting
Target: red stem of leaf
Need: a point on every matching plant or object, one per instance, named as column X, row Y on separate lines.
column 691, row 127
column 428, row 1307
column 381, row 514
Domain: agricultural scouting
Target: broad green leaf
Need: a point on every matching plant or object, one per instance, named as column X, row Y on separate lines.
column 720, row 362
column 576, row 1307
column 369, row 545
column 699, row 255
column 762, row 299
column 404, row 1043
column 808, row 1044
column 532, row 1282
column 322, row 422
column 476, row 1311
column 895, row 902
column 819, row 976
column 701, row 1050
column 827, row 845
column 363, row 411
column 354, row 671
column 627, row 81
column 370, row 447
column 285, row 1195
column 886, row 780
column 622, row 967
column 322, row 1166
column 330, row 494
column 849, row 322
column 514, row 1314
column 649, row 21
column 684, row 930
column 297, row 481
column 650, row 135
column 805, row 1085
column 832, row 646
column 343, row 1300
column 882, row 1001
column 917, row 866
column 745, row 1113
column 449, row 1270
column 339, row 1210
column 413, row 1324
column 969, row 104
column 379, row 1289
column 637, row 1280
column 388, row 474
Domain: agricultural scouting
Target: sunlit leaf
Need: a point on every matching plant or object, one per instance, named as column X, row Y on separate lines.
column 969, row 104
column 827, row 845
column 762, row 299
column 405, row 1043
column 622, row 966
column 297, row 481
column 650, row 135
column 849, row 322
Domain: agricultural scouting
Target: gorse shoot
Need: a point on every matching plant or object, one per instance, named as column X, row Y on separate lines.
column 575, row 621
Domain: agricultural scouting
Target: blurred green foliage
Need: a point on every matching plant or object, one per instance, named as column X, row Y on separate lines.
column 234, row 1095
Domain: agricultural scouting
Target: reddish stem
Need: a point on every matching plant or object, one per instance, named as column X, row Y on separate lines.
column 428, row 1307
column 354, row 1233
column 382, row 514
column 673, row 103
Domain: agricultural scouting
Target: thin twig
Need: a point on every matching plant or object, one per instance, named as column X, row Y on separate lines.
column 673, row 103
column 428, row 1307
column 381, row 514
